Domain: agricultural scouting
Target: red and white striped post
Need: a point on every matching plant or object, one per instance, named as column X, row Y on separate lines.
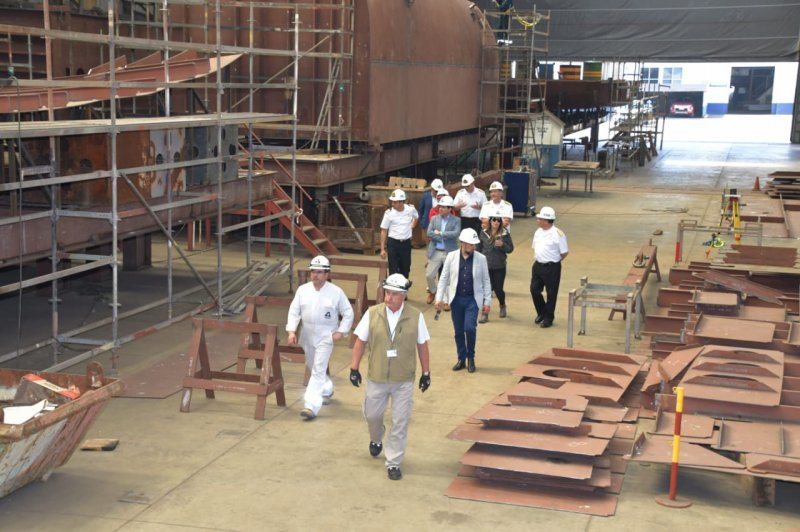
column 673, row 501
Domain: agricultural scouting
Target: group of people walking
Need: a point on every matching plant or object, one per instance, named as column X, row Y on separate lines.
column 466, row 261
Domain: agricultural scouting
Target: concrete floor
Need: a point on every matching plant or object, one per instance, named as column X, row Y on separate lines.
column 217, row 468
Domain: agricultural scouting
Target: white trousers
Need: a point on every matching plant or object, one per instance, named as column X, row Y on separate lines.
column 375, row 403
column 318, row 353
column 434, row 263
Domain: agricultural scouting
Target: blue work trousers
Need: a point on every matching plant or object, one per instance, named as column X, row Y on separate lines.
column 464, row 311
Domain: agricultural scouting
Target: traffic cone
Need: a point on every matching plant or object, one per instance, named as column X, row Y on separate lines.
column 756, row 185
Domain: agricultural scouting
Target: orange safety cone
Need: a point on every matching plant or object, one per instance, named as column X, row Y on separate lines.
column 756, row 185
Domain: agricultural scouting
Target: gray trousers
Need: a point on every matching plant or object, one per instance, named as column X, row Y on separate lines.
column 375, row 403
column 434, row 263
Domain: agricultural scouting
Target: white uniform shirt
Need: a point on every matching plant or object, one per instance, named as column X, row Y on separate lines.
column 435, row 200
column 362, row 329
column 476, row 196
column 490, row 209
column 398, row 223
column 320, row 310
column 549, row 244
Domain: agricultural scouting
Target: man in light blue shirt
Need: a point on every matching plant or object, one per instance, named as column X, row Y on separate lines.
column 443, row 234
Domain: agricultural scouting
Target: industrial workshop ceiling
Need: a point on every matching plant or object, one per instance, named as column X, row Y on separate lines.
column 670, row 30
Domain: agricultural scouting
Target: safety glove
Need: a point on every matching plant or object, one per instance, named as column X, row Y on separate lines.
column 424, row 381
column 355, row 377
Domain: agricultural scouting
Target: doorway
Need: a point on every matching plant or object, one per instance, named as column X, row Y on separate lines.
column 752, row 90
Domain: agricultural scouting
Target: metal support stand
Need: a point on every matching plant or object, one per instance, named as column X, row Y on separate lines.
column 610, row 297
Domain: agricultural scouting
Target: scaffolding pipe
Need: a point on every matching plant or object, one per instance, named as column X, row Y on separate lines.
column 294, row 145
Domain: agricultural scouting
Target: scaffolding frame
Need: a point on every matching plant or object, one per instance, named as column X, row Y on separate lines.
column 47, row 178
column 520, row 39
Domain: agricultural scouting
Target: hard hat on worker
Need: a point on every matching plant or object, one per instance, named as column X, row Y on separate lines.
column 469, row 236
column 398, row 195
column 496, row 185
column 397, row 283
column 320, row 262
column 436, row 184
column 446, row 201
column 547, row 213
column 467, row 180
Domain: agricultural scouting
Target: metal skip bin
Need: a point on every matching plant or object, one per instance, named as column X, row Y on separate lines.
column 32, row 450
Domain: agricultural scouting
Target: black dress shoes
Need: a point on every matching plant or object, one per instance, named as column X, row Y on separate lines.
column 539, row 319
column 375, row 448
column 394, row 473
column 459, row 365
column 546, row 324
column 471, row 365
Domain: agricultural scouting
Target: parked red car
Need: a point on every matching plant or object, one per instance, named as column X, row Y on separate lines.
column 682, row 109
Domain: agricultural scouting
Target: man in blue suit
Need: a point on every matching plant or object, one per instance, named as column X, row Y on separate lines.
column 443, row 234
column 465, row 284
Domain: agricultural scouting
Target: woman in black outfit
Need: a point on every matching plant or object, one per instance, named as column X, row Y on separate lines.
column 496, row 244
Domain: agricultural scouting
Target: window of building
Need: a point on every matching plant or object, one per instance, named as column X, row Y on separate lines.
column 673, row 76
column 650, row 79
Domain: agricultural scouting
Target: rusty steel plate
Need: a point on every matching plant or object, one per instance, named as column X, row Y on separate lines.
column 614, row 414
column 748, row 312
column 532, row 394
column 612, row 357
column 618, row 447
column 760, row 463
column 733, row 329
column 717, row 299
column 591, row 503
column 600, row 479
column 545, row 441
column 570, row 382
column 624, row 431
column 530, row 415
column 735, row 375
column 778, row 439
column 692, row 426
column 677, row 361
column 531, row 462
column 761, row 356
column 658, row 449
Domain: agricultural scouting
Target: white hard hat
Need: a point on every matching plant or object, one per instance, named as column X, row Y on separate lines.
column 469, row 236
column 436, row 184
column 398, row 195
column 320, row 262
column 496, row 185
column 397, row 283
column 446, row 201
column 467, row 180
column 547, row 213
column 441, row 192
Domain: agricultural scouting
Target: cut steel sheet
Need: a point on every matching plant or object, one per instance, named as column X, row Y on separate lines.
column 758, row 437
column 532, row 394
column 600, row 479
column 692, row 426
column 531, row 462
column 760, row 463
column 536, row 416
column 731, row 329
column 596, row 374
column 573, row 382
column 741, row 284
column 658, row 449
column 734, row 375
column 595, row 503
column 545, row 441
column 614, row 414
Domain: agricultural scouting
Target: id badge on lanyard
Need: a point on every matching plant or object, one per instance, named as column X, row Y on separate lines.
column 391, row 353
